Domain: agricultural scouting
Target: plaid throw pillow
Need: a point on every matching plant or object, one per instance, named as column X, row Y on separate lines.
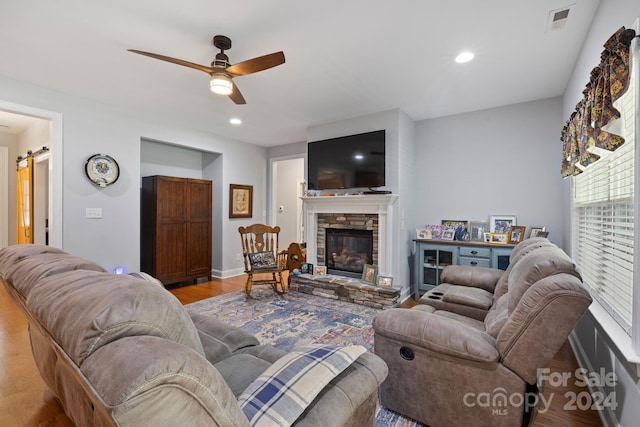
column 286, row 388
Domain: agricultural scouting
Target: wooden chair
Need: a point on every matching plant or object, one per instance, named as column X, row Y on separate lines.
column 257, row 241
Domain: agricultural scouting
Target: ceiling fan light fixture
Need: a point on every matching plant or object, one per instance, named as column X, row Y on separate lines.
column 221, row 84
column 464, row 57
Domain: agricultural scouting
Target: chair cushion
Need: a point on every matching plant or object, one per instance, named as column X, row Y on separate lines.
column 282, row 393
column 262, row 260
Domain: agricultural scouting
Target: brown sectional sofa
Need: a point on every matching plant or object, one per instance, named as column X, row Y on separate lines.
column 451, row 369
column 117, row 350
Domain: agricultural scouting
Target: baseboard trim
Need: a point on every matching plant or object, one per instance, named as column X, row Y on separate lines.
column 225, row 274
column 607, row 417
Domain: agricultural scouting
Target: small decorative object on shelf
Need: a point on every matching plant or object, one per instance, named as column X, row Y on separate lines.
column 516, row 234
column 385, row 281
column 370, row 273
column 320, row 270
column 306, row 268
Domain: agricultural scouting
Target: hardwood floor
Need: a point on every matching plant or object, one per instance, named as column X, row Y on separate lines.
column 26, row 401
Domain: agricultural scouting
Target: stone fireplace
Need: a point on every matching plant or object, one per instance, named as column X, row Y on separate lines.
column 372, row 213
column 348, row 242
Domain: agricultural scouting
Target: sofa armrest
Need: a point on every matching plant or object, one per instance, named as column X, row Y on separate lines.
column 219, row 339
column 477, row 277
column 436, row 333
column 147, row 380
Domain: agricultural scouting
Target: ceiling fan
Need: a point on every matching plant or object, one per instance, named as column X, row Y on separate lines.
column 221, row 71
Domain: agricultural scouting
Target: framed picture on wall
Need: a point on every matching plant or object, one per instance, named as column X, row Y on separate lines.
column 240, row 201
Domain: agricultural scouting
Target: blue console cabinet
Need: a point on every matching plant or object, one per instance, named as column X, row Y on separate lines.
column 432, row 256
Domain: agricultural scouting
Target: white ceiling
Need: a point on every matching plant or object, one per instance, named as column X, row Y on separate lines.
column 343, row 58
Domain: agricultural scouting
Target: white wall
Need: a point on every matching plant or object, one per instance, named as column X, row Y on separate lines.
column 11, row 143
column 91, row 128
column 288, row 172
column 594, row 347
column 503, row 161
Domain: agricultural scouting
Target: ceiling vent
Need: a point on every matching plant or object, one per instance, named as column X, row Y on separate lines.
column 558, row 18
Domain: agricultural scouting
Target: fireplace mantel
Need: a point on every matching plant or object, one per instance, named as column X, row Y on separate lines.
column 380, row 204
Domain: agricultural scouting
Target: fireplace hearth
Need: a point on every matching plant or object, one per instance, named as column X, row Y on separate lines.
column 348, row 250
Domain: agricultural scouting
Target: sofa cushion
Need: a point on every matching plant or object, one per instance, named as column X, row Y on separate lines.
column 12, row 255
column 84, row 310
column 534, row 266
column 283, row 392
column 497, row 316
column 27, row 274
column 518, row 252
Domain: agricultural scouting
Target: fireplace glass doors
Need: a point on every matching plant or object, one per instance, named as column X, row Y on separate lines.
column 348, row 250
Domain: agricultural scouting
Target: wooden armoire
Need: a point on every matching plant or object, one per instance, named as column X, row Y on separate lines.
column 175, row 228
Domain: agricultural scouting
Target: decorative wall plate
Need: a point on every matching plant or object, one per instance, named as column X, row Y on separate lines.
column 102, row 169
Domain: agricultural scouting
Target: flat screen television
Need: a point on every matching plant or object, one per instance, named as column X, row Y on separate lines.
column 354, row 161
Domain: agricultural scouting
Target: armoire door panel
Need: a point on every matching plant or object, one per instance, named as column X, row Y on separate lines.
column 176, row 228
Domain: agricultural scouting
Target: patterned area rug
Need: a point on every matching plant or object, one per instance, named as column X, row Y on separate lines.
column 297, row 319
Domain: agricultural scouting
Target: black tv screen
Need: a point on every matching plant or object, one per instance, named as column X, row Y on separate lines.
column 355, row 161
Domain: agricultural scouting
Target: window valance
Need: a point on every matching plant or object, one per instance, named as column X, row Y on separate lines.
column 584, row 133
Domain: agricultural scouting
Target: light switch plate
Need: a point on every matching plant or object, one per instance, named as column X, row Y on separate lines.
column 93, row 213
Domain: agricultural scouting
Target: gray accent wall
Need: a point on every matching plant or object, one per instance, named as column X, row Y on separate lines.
column 501, row 161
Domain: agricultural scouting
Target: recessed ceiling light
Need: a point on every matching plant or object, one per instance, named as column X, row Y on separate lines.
column 464, row 57
column 235, row 121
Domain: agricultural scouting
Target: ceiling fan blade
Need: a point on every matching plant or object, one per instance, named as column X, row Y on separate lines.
column 256, row 64
column 199, row 67
column 236, row 96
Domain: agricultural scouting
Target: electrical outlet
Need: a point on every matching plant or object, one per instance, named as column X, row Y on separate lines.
column 93, row 213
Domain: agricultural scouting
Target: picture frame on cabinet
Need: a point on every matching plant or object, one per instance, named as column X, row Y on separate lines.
column 516, row 233
column 448, row 233
column 501, row 223
column 240, row 201
column 423, row 233
column 501, row 238
column 478, row 230
column 535, row 230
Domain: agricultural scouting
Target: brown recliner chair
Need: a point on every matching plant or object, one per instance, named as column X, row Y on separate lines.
column 448, row 369
column 471, row 291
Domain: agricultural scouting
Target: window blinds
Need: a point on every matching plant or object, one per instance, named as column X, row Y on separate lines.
column 604, row 218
